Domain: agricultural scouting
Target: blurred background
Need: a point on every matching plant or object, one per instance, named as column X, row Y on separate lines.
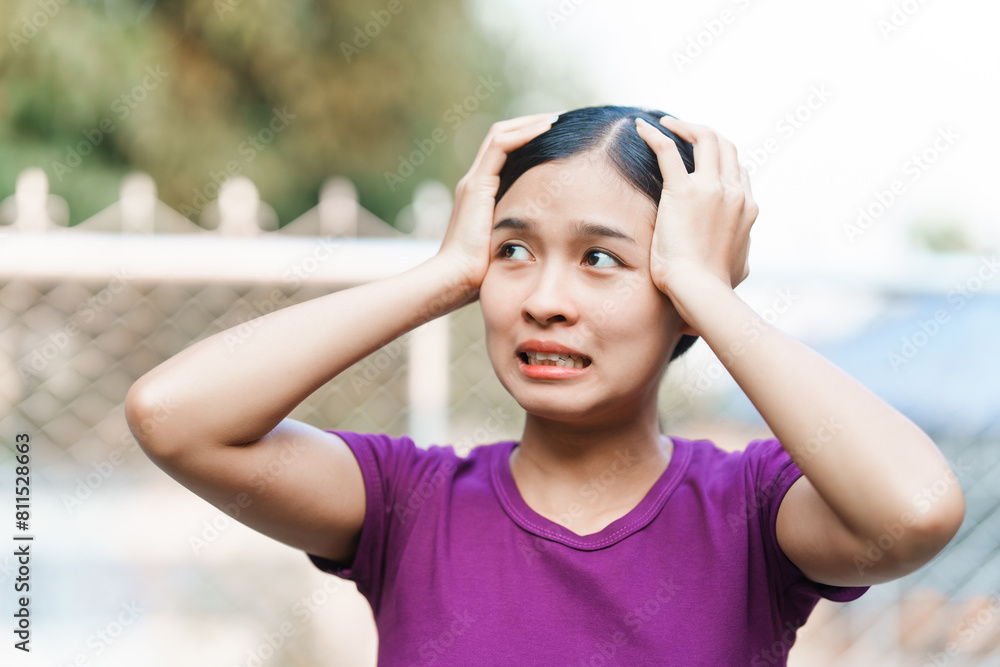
column 172, row 170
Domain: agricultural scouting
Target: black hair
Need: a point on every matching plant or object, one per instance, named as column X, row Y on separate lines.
column 607, row 130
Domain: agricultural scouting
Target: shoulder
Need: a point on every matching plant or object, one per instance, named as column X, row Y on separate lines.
column 744, row 485
column 711, row 462
column 395, row 457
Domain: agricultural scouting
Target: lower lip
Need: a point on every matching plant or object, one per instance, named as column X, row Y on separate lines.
column 541, row 372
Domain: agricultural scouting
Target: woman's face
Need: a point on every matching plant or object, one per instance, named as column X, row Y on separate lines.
column 570, row 266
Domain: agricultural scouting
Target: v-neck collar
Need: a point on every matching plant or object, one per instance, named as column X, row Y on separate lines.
column 513, row 503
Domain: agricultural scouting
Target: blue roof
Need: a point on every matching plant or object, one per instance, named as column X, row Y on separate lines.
column 933, row 357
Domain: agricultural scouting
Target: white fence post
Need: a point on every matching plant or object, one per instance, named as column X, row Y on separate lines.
column 138, row 203
column 338, row 208
column 31, row 196
column 427, row 382
column 239, row 204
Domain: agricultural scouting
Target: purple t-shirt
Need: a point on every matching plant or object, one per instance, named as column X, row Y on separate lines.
column 460, row 571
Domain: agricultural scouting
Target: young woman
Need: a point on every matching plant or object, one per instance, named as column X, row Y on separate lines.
column 598, row 245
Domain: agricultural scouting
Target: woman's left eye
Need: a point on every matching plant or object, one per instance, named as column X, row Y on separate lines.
column 613, row 259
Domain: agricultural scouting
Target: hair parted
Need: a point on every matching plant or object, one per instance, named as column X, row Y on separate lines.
column 610, row 132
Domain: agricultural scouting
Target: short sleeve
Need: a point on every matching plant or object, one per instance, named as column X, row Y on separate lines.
column 774, row 472
column 388, row 467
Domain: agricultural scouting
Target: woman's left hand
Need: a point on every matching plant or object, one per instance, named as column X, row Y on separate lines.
column 704, row 218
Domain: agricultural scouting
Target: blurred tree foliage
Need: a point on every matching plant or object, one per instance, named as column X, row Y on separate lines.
column 287, row 93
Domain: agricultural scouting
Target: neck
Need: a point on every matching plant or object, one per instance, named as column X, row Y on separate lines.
column 600, row 467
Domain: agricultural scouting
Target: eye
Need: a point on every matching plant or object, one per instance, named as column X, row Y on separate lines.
column 591, row 253
column 507, row 247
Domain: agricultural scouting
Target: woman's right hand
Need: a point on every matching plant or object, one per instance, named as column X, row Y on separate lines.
column 466, row 244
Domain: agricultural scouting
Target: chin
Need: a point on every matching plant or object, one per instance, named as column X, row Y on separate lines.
column 554, row 410
column 554, row 403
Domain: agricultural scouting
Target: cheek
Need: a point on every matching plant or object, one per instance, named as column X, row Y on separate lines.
column 627, row 304
column 645, row 319
column 497, row 306
column 490, row 299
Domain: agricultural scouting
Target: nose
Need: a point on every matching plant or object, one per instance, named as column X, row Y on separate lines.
column 551, row 296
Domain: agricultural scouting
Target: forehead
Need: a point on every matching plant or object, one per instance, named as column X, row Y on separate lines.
column 583, row 187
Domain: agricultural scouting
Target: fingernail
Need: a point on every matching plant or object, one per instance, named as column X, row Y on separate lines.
column 553, row 119
column 640, row 121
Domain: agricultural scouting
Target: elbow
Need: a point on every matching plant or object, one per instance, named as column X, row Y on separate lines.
column 933, row 532
column 147, row 417
column 946, row 523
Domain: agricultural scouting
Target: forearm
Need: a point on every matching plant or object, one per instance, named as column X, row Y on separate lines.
column 231, row 388
column 869, row 463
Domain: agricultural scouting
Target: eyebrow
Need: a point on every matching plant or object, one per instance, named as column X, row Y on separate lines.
column 582, row 229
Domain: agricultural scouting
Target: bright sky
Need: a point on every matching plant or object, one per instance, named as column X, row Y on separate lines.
column 878, row 100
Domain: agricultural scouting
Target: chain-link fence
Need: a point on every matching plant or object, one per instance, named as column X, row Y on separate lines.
column 130, row 564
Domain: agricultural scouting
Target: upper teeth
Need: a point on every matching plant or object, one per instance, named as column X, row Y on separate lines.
column 554, row 359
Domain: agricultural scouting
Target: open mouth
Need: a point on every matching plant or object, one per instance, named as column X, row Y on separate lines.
column 553, row 359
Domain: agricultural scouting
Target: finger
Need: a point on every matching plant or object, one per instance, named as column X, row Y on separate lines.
column 522, row 121
column 746, row 263
column 667, row 154
column 749, row 203
column 729, row 165
column 704, row 140
column 506, row 126
column 496, row 149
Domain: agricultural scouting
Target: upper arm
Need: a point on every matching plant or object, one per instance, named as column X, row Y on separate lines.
column 814, row 538
column 297, row 484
